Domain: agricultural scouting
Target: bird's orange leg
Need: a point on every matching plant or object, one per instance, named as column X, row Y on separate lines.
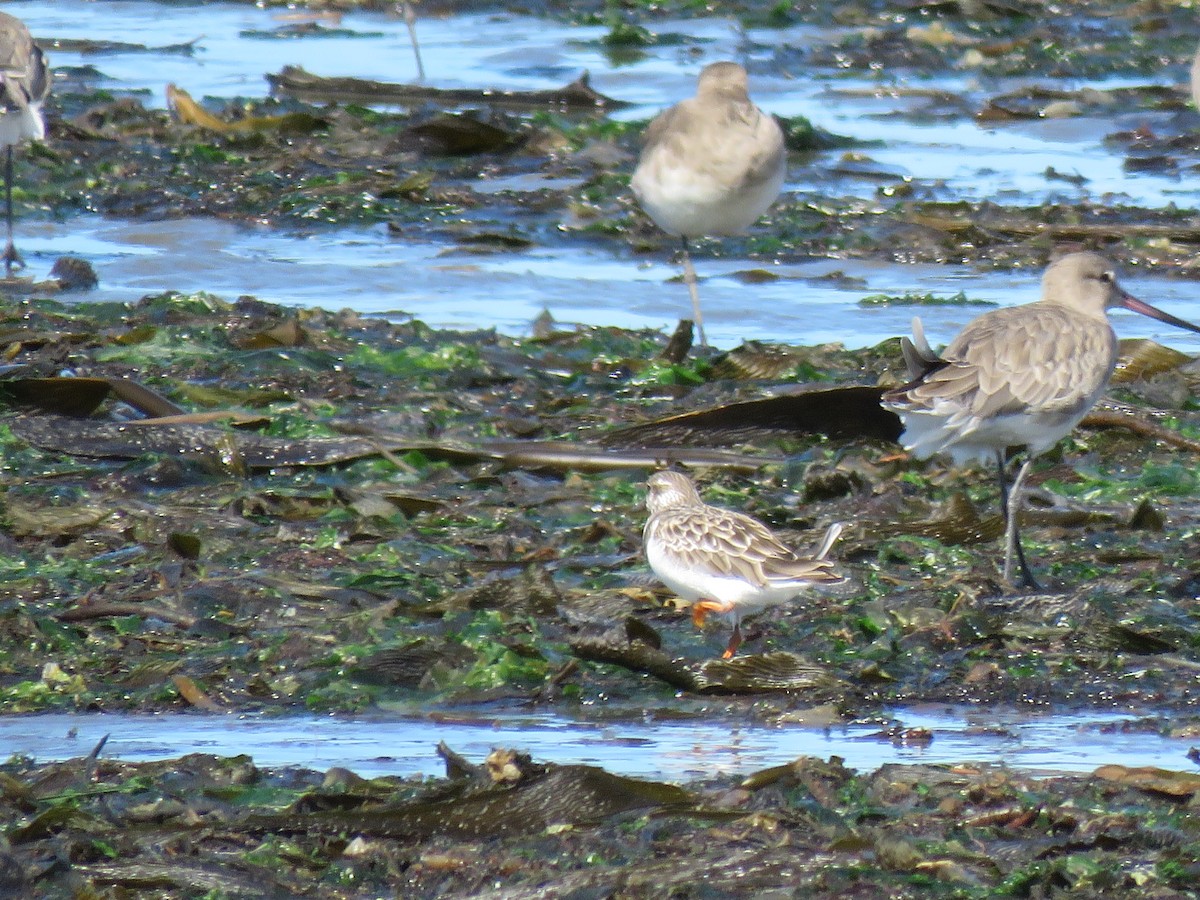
column 734, row 642
column 701, row 608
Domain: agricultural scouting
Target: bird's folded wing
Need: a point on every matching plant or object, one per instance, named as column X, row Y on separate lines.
column 663, row 125
column 765, row 150
column 1017, row 360
column 721, row 542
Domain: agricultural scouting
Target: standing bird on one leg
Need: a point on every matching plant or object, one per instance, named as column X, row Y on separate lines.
column 723, row 561
column 24, row 83
column 1019, row 377
column 711, row 165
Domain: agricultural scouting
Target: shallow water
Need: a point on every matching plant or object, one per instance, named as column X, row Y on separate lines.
column 677, row 750
column 370, row 271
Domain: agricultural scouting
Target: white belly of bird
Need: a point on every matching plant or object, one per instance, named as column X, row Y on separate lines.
column 694, row 584
column 17, row 125
column 684, row 202
column 946, row 429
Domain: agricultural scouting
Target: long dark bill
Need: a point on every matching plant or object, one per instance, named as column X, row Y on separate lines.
column 1138, row 306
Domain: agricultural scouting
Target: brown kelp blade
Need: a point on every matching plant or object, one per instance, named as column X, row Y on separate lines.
column 303, row 85
column 81, row 396
column 625, row 644
column 510, row 794
column 189, row 112
column 841, row 412
column 189, row 439
column 64, row 396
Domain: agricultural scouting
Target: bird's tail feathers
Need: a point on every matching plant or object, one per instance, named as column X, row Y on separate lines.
column 919, row 357
column 832, row 533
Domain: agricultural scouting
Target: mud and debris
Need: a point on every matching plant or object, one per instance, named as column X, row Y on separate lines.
column 226, row 505
column 513, row 827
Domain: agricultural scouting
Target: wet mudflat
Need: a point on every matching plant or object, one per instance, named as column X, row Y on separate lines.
column 511, row 827
column 356, row 516
column 231, row 505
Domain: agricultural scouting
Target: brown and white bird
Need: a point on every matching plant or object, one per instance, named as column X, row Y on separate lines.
column 724, row 562
column 710, row 165
column 1017, row 377
column 24, row 83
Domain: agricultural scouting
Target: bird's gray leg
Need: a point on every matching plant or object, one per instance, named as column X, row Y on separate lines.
column 689, row 278
column 410, row 19
column 1010, row 504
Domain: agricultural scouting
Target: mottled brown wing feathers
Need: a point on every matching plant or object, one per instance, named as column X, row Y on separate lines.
column 818, row 571
column 767, row 156
column 659, row 126
column 729, row 543
column 23, row 76
column 1011, row 360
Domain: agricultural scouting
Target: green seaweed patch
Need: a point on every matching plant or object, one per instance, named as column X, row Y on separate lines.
column 305, row 30
column 499, row 666
column 342, row 696
column 910, row 298
column 628, row 34
column 208, row 153
column 307, row 423
column 416, row 362
column 580, row 132
column 1091, row 484
column 800, row 135
column 55, row 688
column 1174, row 478
column 662, row 372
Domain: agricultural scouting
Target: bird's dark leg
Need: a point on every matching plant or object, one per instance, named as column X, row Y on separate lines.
column 1003, row 485
column 689, row 278
column 1010, row 506
column 12, row 259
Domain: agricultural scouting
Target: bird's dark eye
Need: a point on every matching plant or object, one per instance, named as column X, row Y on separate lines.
column 1107, row 277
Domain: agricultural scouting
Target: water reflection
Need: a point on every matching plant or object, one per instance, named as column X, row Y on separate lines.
column 675, row 750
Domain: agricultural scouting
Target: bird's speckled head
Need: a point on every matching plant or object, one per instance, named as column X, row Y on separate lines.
column 723, row 79
column 669, row 490
column 1087, row 282
column 1083, row 281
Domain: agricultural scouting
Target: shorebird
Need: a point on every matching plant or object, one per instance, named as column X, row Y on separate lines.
column 1018, row 377
column 24, row 82
column 710, row 165
column 724, row 562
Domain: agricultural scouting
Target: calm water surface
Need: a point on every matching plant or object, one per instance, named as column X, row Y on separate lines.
column 369, row 270
column 675, row 750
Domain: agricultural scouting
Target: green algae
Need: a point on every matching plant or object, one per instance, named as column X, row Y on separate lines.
column 916, row 299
